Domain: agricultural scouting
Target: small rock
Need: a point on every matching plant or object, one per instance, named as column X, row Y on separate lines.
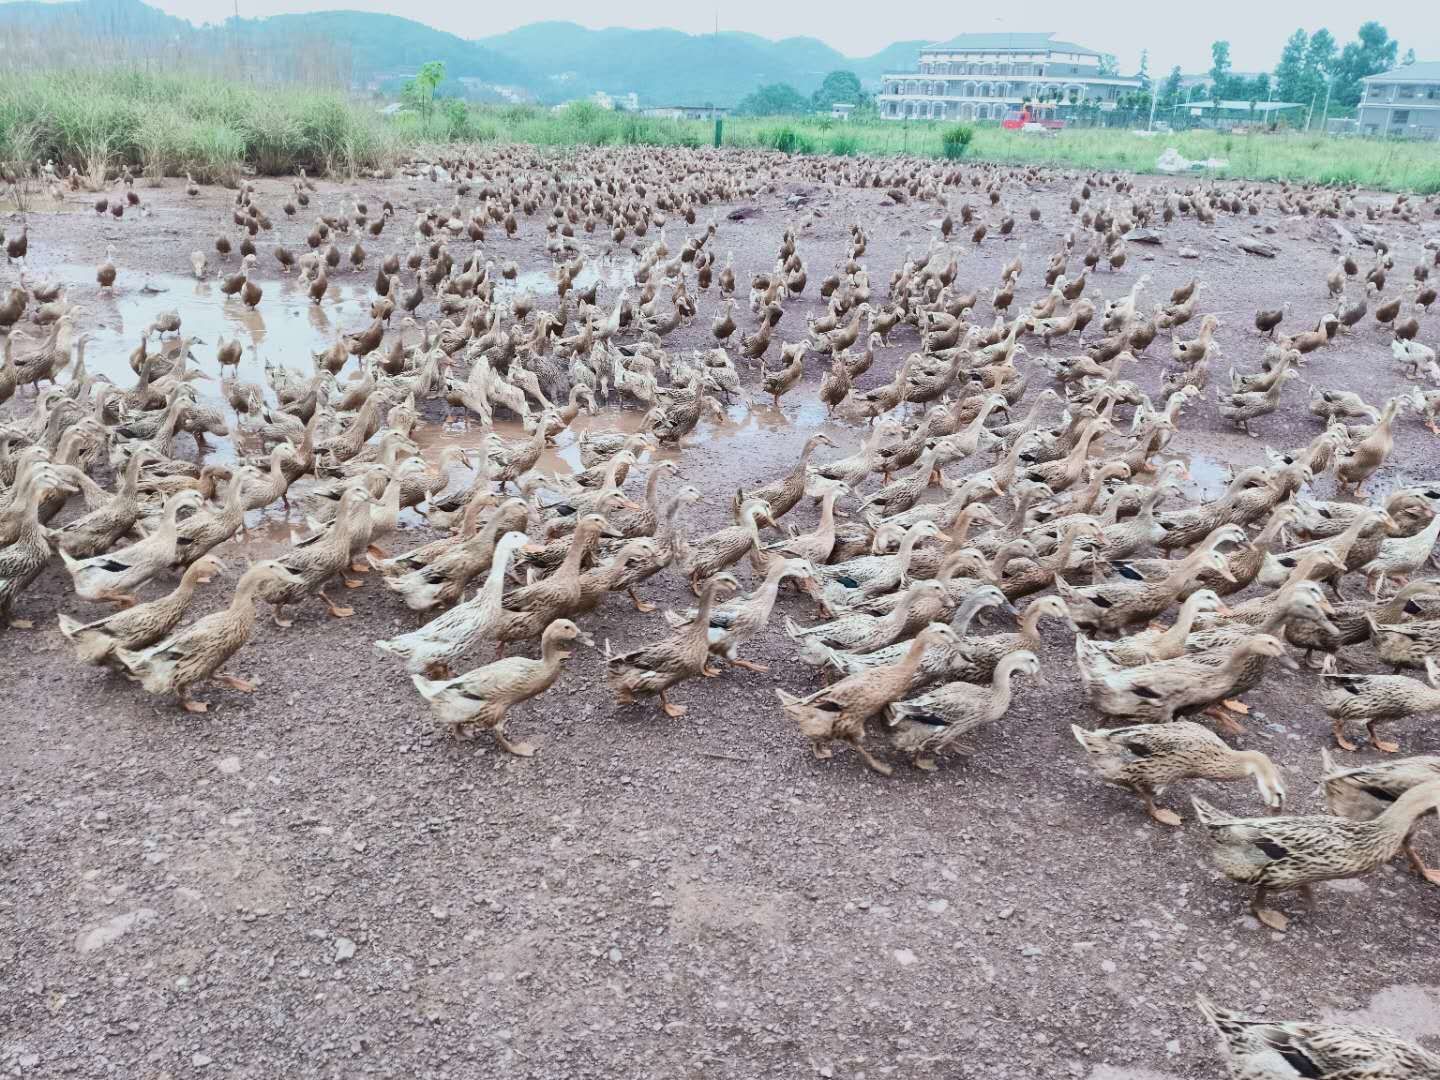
column 1107, row 966
column 1173, row 1047
column 200, row 1060
column 344, row 949
column 937, row 907
column 228, row 765
column 1005, row 912
column 439, row 913
column 904, row 957
column 1032, row 950
column 1189, row 253
column 616, row 956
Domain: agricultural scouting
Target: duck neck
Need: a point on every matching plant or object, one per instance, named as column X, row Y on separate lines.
column 494, row 586
column 1396, row 821
column 1173, row 639
column 1030, row 627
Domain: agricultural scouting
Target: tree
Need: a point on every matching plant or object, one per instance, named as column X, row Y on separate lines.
column 775, row 99
column 1409, row 58
column 1320, row 61
column 1220, row 68
column 839, row 86
column 420, row 91
column 1374, row 51
column 1170, row 92
column 1144, row 73
column 1109, row 66
column 1290, row 71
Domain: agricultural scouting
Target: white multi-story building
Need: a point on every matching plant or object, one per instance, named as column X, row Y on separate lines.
column 1403, row 101
column 986, row 76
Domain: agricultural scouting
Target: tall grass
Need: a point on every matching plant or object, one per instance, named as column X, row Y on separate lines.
column 171, row 124
column 168, row 124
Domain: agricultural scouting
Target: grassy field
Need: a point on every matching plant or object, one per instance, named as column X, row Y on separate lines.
column 168, row 124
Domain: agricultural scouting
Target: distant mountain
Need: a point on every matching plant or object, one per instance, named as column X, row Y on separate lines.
column 387, row 45
column 546, row 61
column 662, row 66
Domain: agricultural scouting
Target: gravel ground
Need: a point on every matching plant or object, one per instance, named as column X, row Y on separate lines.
column 309, row 880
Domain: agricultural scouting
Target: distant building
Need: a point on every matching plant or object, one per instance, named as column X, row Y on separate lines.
column 1240, row 111
column 986, row 76
column 841, row 110
column 1402, row 101
column 685, row 112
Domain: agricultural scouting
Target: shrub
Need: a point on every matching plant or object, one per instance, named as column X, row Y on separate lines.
column 787, row 140
column 844, row 145
column 954, row 140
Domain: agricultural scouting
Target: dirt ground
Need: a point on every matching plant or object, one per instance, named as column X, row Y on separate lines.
column 311, row 881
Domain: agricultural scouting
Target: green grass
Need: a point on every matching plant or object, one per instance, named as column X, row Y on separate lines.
column 168, row 124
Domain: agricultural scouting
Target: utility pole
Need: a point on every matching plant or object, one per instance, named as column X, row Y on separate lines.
column 1310, row 114
column 1325, row 115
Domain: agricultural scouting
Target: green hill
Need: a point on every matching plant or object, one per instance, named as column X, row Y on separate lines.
column 547, row 61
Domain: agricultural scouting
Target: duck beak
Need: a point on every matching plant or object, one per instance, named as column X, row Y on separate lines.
column 532, row 549
column 628, row 505
column 586, row 639
column 1288, row 662
column 1226, row 573
column 1224, row 611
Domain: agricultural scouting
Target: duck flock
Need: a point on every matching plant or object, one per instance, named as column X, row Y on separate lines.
column 1009, row 465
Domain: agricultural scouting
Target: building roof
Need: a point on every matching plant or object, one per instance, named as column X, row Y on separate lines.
column 1423, row 71
column 1007, row 43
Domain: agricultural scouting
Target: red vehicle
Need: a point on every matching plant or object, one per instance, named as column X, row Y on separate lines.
column 1042, row 115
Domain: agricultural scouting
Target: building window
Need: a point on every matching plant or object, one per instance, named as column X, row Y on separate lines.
column 1407, row 91
column 1400, row 116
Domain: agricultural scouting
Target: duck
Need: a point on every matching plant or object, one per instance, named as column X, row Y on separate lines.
column 111, row 577
column 1241, row 408
column 1158, row 692
column 1363, row 792
column 1112, row 606
column 784, row 493
column 816, row 545
column 482, row 696
column 1153, row 645
column 1355, row 466
column 196, row 653
column 1352, row 622
column 96, row 531
column 1401, row 555
column 871, row 575
column 137, row 627
column 1373, row 698
column 1288, row 1049
column 779, row 383
column 312, row 566
column 931, row 724
column 737, row 622
column 724, row 547
column 1148, row 758
column 957, row 662
column 838, row 713
column 436, row 574
column 656, row 668
column 27, row 555
column 430, row 649
column 1281, row 853
column 859, row 632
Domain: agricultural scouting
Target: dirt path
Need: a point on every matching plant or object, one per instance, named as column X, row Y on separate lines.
column 309, row 881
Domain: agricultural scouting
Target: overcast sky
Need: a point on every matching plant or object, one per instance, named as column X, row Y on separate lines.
column 1174, row 34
